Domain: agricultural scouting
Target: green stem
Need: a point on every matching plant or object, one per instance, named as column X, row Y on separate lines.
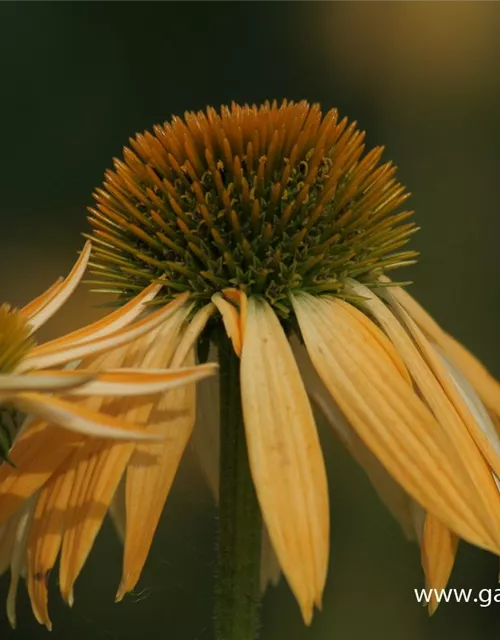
column 240, row 525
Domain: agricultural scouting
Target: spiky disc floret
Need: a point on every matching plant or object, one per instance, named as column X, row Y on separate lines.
column 269, row 199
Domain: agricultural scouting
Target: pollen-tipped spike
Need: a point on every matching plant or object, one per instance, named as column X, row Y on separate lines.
column 265, row 185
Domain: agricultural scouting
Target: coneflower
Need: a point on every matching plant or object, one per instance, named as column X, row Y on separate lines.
column 280, row 230
column 67, row 408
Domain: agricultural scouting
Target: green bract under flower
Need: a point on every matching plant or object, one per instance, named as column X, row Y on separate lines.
column 270, row 199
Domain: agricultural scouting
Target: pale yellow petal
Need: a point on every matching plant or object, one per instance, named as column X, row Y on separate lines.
column 388, row 415
column 139, row 382
column 441, row 395
column 439, row 549
column 238, row 297
column 483, row 382
column 405, row 510
column 78, row 418
column 45, row 536
column 18, row 561
column 205, row 440
column 82, row 465
column 37, row 454
column 150, row 475
column 58, row 295
column 117, row 510
column 270, row 570
column 34, row 305
column 98, row 476
column 476, row 416
column 285, row 455
column 48, row 381
column 191, row 334
column 111, row 323
column 462, row 395
column 7, row 540
column 231, row 320
column 39, row 359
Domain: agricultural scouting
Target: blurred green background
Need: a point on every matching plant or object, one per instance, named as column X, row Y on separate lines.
column 77, row 79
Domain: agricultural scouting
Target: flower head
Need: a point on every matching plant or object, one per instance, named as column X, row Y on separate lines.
column 73, row 412
column 30, row 374
column 279, row 230
column 270, row 200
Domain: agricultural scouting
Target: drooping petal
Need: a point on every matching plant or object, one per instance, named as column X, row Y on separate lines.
column 487, row 438
column 108, row 342
column 483, row 382
column 137, row 382
column 461, row 394
column 111, row 323
column 18, row 561
column 7, row 540
column 78, row 418
column 56, row 296
column 117, row 510
column 439, row 549
column 270, row 570
column 447, row 405
column 231, row 320
column 238, row 297
column 45, row 536
column 406, row 511
column 35, row 304
column 150, row 475
column 191, row 334
column 48, row 381
column 285, row 455
column 388, row 415
column 205, row 440
column 37, row 453
column 98, row 472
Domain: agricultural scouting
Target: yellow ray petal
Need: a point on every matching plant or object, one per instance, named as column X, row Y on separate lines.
column 7, row 540
column 191, row 334
column 461, row 394
column 137, row 382
column 285, row 455
column 483, row 382
column 150, row 475
column 231, row 320
column 205, row 440
column 56, row 296
column 43, row 381
column 99, row 475
column 447, row 405
column 238, row 297
column 80, row 419
column 145, row 352
column 18, row 561
column 270, row 570
column 37, row 453
column 111, row 323
column 387, row 347
column 45, row 536
column 405, row 510
column 439, row 549
column 83, row 464
column 388, row 415
column 35, row 304
column 92, row 347
column 117, row 510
